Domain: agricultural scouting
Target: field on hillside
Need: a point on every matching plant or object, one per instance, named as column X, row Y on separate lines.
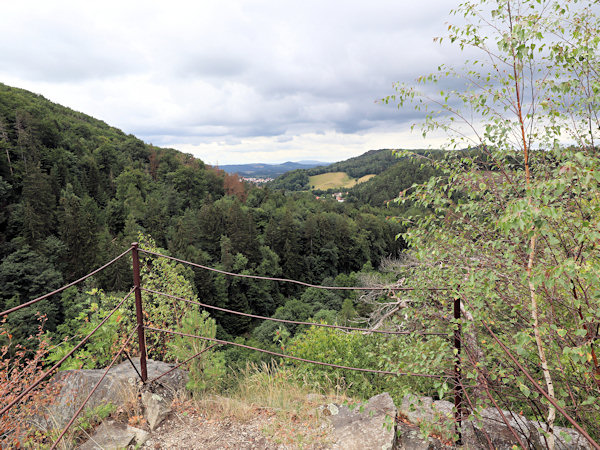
column 333, row 180
column 365, row 178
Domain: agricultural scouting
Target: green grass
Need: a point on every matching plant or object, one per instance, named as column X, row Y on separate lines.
column 333, row 180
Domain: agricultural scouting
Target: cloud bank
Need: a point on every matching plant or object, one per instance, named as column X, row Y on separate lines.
column 230, row 81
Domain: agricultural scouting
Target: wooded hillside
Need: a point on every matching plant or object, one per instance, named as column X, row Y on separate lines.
column 75, row 192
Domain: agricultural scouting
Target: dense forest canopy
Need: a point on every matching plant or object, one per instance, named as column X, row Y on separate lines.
column 75, row 192
column 371, row 162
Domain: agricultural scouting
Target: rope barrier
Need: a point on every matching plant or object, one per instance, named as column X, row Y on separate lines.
column 85, row 277
column 336, row 366
column 55, row 366
column 340, row 327
column 489, row 395
column 542, row 391
column 286, row 280
column 93, row 390
column 182, row 363
column 217, row 342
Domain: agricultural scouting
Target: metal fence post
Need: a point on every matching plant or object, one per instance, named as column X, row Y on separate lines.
column 458, row 388
column 138, row 309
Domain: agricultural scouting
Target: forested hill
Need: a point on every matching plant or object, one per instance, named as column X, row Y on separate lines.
column 371, row 162
column 386, row 186
column 75, row 192
column 392, row 175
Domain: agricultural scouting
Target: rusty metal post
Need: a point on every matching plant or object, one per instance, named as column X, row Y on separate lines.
column 138, row 309
column 458, row 389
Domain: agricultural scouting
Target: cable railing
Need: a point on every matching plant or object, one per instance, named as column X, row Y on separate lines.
column 63, row 359
column 295, row 358
column 94, row 389
column 288, row 280
column 49, row 294
column 293, row 322
column 461, row 396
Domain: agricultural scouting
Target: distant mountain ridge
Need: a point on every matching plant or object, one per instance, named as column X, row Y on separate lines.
column 264, row 170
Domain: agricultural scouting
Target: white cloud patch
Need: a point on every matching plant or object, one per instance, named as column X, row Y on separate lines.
column 244, row 80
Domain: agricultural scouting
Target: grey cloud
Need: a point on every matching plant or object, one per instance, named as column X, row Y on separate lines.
column 203, row 72
column 213, row 66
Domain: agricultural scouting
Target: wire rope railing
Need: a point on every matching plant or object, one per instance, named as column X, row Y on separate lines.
column 79, row 280
column 536, row 385
column 287, row 280
column 94, row 389
column 63, row 359
column 294, row 322
column 295, row 358
column 456, row 376
column 137, row 290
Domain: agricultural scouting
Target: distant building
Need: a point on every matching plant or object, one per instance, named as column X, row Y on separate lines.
column 339, row 196
column 256, row 180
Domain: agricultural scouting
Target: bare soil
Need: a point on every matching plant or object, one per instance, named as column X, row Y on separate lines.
column 189, row 429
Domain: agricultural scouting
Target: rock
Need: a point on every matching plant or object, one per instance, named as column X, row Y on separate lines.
column 409, row 437
column 491, row 423
column 120, row 386
column 424, row 409
column 368, row 426
column 474, row 431
column 111, row 435
column 156, row 408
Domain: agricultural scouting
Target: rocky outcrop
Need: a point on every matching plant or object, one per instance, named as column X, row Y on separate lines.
column 490, row 427
column 112, row 435
column 120, row 386
column 368, row 426
column 156, row 408
column 410, row 437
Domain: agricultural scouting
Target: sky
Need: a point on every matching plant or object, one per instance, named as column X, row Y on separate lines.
column 232, row 81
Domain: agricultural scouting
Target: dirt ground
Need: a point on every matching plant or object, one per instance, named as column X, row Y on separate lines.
column 190, row 430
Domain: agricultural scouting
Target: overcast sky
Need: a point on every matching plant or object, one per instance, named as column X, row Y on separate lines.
column 231, row 81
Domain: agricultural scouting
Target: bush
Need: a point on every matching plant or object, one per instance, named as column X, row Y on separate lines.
column 377, row 352
column 206, row 372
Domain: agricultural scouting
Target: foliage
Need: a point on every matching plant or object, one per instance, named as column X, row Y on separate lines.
column 205, row 372
column 101, row 347
column 94, row 416
column 382, row 189
column 19, row 368
column 514, row 224
column 373, row 162
column 24, row 275
column 75, row 192
column 375, row 352
column 294, row 180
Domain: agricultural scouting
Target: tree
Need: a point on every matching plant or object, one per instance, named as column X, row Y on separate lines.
column 5, row 144
column 514, row 225
column 79, row 224
column 38, row 207
column 25, row 275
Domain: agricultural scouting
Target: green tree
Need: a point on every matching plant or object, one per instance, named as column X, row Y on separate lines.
column 514, row 225
column 25, row 275
column 79, row 224
column 207, row 371
column 38, row 207
column 190, row 183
